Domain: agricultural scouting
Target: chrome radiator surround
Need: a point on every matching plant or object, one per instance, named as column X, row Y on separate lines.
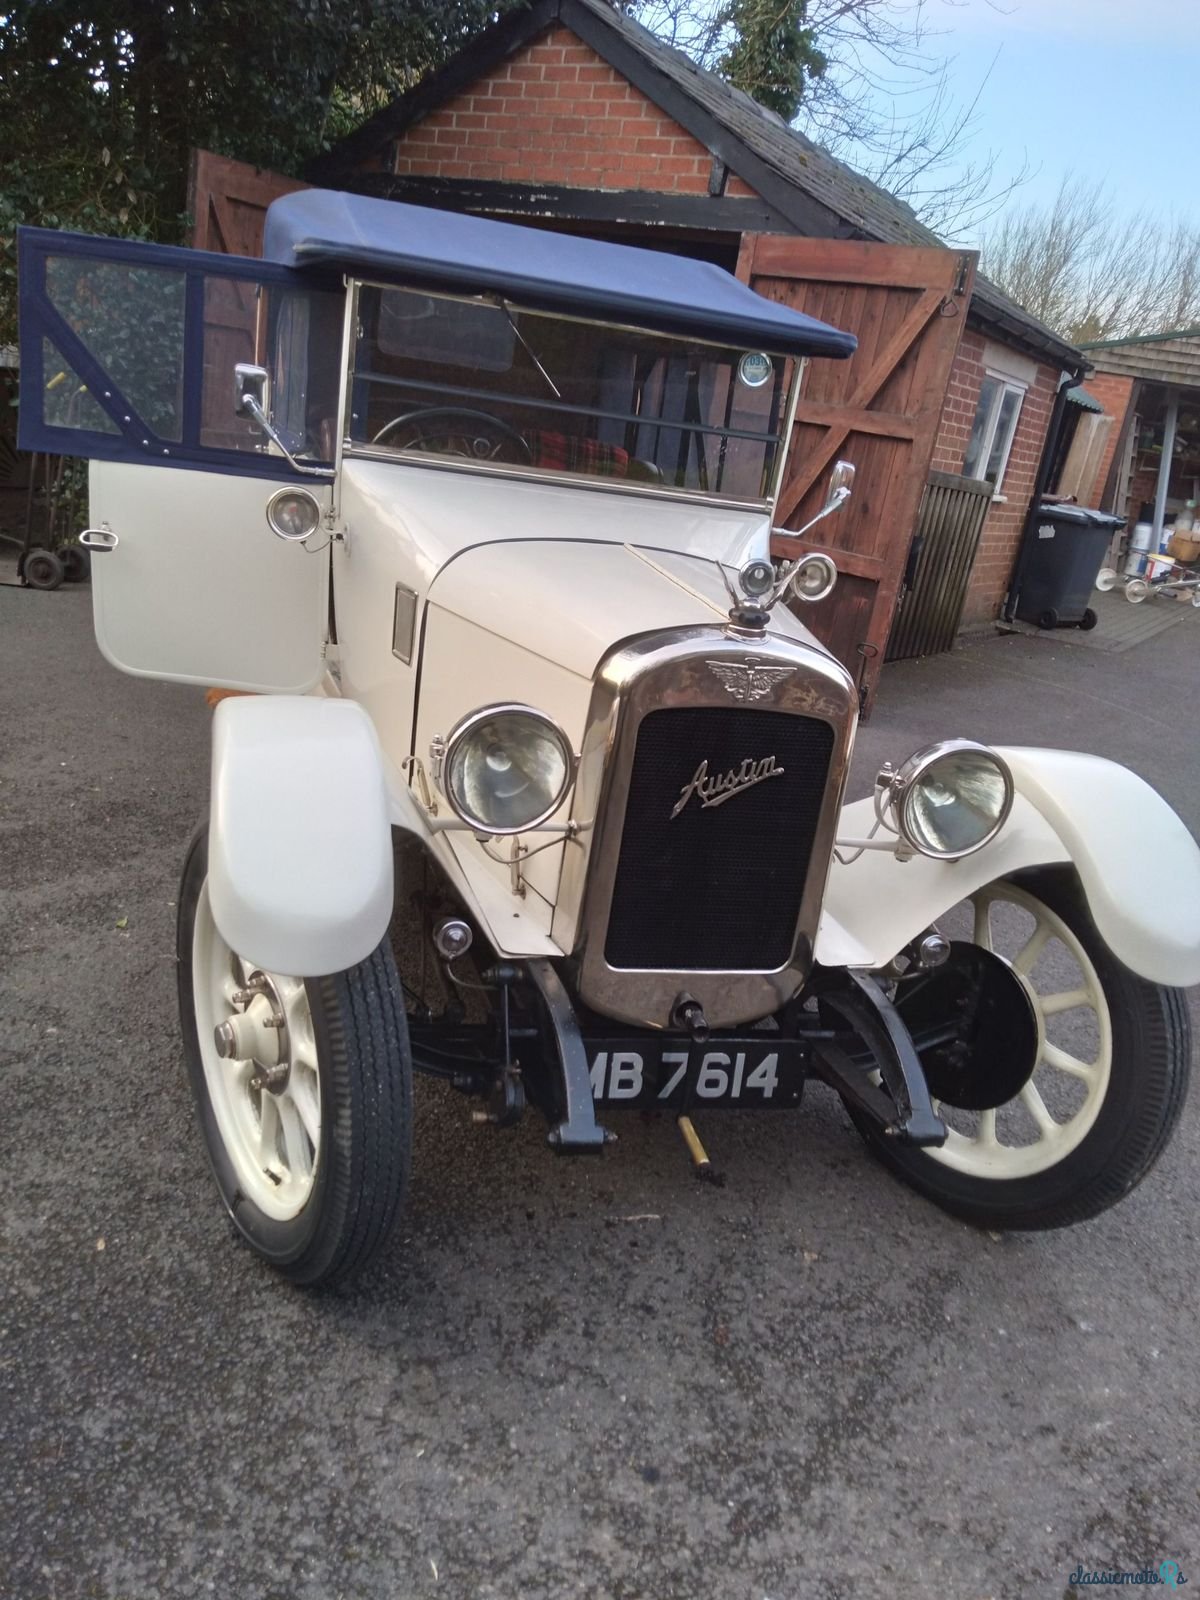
column 689, row 667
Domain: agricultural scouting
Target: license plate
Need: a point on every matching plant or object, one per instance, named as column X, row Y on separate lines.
column 741, row 1074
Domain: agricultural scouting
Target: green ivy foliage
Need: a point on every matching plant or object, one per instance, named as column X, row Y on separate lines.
column 773, row 53
column 102, row 100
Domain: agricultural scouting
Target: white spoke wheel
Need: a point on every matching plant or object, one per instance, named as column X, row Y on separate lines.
column 303, row 1088
column 1112, row 1061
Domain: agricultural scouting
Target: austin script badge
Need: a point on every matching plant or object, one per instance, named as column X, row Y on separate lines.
column 723, row 786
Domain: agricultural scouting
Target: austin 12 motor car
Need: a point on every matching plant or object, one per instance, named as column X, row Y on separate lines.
column 528, row 774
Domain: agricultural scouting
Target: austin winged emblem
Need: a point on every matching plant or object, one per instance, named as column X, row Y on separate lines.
column 747, row 680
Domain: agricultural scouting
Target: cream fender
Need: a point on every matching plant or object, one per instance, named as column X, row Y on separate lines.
column 1138, row 864
column 299, row 844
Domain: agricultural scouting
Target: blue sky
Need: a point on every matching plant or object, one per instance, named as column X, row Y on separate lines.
column 1107, row 88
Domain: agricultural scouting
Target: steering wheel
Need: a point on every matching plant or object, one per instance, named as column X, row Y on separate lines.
column 457, row 431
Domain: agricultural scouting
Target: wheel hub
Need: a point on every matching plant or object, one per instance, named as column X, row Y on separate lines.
column 257, row 1032
column 975, row 1027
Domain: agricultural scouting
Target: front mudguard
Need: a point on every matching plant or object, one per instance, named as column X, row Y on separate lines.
column 1138, row 865
column 299, row 843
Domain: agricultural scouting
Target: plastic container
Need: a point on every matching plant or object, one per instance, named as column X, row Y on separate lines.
column 1158, row 567
column 1140, row 540
column 1068, row 547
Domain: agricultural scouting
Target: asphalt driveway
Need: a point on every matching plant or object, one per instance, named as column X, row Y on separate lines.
column 592, row 1379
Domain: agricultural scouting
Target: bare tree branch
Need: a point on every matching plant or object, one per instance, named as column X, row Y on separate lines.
column 884, row 104
column 1092, row 272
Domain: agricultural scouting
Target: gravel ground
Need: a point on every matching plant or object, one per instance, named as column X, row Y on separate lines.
column 588, row 1379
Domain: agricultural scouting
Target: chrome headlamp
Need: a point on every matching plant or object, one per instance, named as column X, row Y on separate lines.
column 505, row 768
column 948, row 799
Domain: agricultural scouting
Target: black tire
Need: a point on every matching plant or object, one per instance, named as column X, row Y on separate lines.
column 1151, row 1060
column 365, row 1153
column 1048, row 619
column 76, row 563
column 41, row 569
column 1088, row 621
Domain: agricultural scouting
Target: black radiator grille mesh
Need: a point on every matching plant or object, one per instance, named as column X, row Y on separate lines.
column 717, row 887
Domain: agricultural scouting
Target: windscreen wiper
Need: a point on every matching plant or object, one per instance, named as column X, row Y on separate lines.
column 528, row 349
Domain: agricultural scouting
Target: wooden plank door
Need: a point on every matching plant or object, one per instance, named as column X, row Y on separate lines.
column 949, row 526
column 228, row 203
column 880, row 410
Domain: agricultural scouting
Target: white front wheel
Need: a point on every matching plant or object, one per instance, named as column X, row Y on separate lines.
column 255, row 1039
column 1064, row 1127
column 303, row 1089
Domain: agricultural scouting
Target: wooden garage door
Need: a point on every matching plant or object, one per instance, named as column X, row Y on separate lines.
column 879, row 410
column 228, row 203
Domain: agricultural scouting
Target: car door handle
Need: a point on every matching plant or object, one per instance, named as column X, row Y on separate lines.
column 98, row 540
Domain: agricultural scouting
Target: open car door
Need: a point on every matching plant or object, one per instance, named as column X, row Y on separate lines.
column 127, row 359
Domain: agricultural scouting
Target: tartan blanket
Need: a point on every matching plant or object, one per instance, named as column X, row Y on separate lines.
column 566, row 452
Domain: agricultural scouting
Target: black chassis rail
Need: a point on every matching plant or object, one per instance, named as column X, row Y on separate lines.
column 855, row 1042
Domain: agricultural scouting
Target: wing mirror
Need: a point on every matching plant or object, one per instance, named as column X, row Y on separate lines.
column 811, row 577
column 841, row 482
column 250, row 400
column 250, row 392
column 836, row 495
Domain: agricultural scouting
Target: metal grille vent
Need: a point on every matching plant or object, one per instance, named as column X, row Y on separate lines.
column 717, row 887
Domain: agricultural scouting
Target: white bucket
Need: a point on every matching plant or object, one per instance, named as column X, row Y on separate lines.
column 1158, row 567
column 1140, row 541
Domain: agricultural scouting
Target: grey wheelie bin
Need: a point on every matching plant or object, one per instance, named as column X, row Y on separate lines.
column 1065, row 552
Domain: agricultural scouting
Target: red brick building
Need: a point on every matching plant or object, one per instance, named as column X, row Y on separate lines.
column 569, row 115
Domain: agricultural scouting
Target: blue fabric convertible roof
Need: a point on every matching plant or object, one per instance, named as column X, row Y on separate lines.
column 546, row 271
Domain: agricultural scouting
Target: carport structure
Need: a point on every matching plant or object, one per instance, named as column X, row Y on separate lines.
column 1150, row 385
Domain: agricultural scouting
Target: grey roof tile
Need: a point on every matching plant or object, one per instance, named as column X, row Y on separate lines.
column 865, row 205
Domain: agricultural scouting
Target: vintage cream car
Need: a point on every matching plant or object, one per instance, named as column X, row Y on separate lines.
column 536, row 784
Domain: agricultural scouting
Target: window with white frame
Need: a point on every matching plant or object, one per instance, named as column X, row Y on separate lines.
column 993, row 429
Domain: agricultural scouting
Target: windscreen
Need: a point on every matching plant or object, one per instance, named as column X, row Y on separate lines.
column 485, row 382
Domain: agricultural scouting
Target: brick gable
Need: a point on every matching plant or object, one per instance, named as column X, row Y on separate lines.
column 556, row 113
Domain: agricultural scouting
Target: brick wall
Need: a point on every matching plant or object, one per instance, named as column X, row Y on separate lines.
column 962, row 396
column 556, row 113
column 1002, row 529
column 1113, row 391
